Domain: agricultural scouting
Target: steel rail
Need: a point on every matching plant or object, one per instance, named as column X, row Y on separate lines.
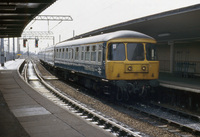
column 91, row 114
column 165, row 120
column 173, row 123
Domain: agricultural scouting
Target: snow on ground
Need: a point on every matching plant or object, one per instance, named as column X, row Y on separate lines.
column 12, row 64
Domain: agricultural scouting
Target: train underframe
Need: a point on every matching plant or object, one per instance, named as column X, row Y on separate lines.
column 120, row 90
column 182, row 99
column 133, row 89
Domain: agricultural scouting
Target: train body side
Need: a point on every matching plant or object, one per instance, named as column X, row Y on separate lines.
column 47, row 56
column 83, row 59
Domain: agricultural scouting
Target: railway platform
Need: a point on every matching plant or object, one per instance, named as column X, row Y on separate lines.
column 190, row 84
column 24, row 112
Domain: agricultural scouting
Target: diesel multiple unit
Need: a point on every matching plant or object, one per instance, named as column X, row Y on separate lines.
column 121, row 63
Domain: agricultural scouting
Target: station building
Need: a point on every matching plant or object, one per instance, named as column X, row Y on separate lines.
column 178, row 38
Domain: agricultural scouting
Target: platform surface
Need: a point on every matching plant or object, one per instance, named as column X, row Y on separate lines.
column 191, row 84
column 38, row 116
column 11, row 65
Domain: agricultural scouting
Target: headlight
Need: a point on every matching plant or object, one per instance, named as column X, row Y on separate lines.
column 144, row 68
column 130, row 68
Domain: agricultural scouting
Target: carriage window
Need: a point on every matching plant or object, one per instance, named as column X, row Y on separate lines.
column 60, row 55
column 93, row 53
column 99, row 53
column 135, row 51
column 82, row 53
column 76, row 53
column 87, row 53
column 63, row 54
column 116, row 52
column 57, row 54
column 66, row 53
column 70, row 53
column 151, row 51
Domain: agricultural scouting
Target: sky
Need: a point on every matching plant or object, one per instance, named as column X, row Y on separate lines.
column 89, row 15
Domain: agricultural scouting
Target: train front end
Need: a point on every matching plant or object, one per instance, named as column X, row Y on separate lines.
column 132, row 66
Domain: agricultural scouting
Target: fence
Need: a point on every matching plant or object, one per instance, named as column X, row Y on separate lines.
column 185, row 68
column 181, row 68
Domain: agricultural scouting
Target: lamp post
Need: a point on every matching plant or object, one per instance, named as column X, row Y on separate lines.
column 13, row 48
column 2, row 52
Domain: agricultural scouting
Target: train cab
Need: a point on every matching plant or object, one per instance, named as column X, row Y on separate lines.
column 131, row 59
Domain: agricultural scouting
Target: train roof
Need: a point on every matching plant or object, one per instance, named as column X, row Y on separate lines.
column 49, row 48
column 105, row 37
column 46, row 49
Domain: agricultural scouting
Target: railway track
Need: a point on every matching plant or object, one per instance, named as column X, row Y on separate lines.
column 74, row 106
column 177, row 122
column 188, row 127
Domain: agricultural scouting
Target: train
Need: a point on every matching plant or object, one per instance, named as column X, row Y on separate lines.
column 121, row 64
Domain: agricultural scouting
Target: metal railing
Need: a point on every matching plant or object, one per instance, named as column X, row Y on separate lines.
column 181, row 68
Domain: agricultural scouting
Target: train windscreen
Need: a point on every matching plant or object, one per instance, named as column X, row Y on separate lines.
column 135, row 51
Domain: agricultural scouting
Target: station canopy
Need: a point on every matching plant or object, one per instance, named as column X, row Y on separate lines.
column 16, row 14
column 176, row 25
